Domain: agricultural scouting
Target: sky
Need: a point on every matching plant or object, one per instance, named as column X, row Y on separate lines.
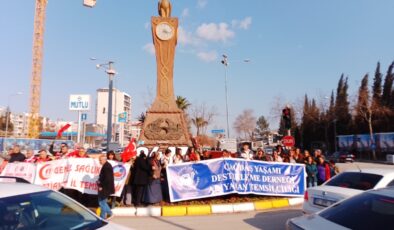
column 295, row 47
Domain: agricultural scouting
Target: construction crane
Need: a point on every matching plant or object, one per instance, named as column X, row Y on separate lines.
column 35, row 84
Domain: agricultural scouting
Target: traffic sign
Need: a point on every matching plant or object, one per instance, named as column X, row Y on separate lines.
column 216, row 131
column 84, row 116
column 288, row 141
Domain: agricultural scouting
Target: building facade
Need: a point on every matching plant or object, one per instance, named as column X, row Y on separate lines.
column 121, row 114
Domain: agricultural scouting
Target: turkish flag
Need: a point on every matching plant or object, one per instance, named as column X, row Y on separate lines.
column 64, row 128
column 130, row 151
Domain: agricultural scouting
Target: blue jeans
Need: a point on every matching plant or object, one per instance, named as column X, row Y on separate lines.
column 104, row 207
column 312, row 181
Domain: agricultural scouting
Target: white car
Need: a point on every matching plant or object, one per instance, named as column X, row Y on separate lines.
column 373, row 209
column 344, row 185
column 29, row 207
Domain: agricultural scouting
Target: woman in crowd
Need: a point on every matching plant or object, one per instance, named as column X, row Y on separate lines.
column 165, row 161
column 111, row 156
column 193, row 155
column 140, row 178
column 226, row 154
column 292, row 154
column 178, row 156
column 153, row 192
column 333, row 168
column 323, row 171
column 311, row 171
column 261, row 156
column 276, row 157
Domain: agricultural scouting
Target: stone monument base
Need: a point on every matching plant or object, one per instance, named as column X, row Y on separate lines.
column 165, row 129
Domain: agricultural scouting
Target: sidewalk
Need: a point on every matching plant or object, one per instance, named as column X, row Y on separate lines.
column 197, row 210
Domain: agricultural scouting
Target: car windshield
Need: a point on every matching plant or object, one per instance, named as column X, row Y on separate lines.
column 355, row 180
column 365, row 211
column 45, row 210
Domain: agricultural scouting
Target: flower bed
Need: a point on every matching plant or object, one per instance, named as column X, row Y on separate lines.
column 233, row 198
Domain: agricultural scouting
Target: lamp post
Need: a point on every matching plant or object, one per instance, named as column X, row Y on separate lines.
column 111, row 74
column 225, row 64
column 8, row 112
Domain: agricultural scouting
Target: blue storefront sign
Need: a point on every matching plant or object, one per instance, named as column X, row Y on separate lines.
column 219, row 177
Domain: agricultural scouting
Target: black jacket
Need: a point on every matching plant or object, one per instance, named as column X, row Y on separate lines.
column 141, row 171
column 106, row 180
column 15, row 157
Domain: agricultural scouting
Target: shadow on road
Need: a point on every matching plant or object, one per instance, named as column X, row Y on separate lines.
column 275, row 220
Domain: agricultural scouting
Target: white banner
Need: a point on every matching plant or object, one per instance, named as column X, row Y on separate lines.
column 21, row 170
column 84, row 174
column 52, row 174
column 75, row 173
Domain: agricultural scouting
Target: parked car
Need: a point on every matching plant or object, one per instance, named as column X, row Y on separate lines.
column 93, row 151
column 28, row 206
column 342, row 157
column 344, row 185
column 373, row 209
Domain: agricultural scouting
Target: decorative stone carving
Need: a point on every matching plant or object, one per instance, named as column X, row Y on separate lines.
column 163, row 129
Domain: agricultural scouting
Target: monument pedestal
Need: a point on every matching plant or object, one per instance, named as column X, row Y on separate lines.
column 165, row 124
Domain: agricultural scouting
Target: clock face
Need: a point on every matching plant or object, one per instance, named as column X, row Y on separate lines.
column 164, row 31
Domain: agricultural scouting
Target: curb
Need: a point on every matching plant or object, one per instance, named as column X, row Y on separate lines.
column 199, row 210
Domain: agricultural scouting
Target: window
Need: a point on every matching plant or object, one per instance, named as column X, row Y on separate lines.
column 365, row 211
column 45, row 210
column 355, row 180
column 391, row 184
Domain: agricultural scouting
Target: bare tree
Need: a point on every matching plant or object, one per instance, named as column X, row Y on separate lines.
column 245, row 124
column 201, row 116
column 368, row 109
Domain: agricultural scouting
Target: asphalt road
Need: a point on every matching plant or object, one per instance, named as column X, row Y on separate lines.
column 271, row 220
column 362, row 165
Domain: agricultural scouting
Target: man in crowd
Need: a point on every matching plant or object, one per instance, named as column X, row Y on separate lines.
column 106, row 187
column 79, row 153
column 30, row 158
column 43, row 156
column 64, row 151
column 16, row 155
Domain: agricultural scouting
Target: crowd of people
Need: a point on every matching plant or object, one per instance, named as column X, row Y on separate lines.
column 147, row 181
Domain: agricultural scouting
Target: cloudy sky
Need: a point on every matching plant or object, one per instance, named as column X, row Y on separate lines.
column 295, row 47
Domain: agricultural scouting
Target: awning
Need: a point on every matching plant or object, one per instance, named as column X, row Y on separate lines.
column 72, row 134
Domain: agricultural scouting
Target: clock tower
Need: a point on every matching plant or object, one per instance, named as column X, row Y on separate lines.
column 165, row 124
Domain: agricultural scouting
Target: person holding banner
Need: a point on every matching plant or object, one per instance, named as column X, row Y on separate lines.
column 30, row 158
column 43, row 156
column 79, row 153
column 106, row 187
column 16, row 155
column 246, row 153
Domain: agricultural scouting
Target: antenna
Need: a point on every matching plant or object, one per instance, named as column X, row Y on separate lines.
column 358, row 167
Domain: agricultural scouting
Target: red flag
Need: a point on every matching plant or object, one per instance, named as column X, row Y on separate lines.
column 64, row 128
column 130, row 151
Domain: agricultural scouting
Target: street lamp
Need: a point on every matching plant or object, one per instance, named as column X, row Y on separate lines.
column 8, row 111
column 111, row 74
column 225, row 64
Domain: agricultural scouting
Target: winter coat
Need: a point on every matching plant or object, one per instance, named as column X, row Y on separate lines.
column 141, row 171
column 311, row 170
column 106, row 180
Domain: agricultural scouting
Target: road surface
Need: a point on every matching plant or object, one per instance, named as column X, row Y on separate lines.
column 271, row 220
